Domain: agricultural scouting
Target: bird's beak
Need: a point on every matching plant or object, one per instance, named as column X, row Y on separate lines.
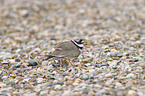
column 84, row 43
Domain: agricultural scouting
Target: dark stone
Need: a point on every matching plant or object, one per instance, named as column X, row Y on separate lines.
column 119, row 55
column 104, row 64
column 32, row 63
column 17, row 60
column 136, row 60
column 60, row 83
column 114, row 67
column 49, row 84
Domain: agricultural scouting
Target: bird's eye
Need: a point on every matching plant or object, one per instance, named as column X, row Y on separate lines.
column 81, row 40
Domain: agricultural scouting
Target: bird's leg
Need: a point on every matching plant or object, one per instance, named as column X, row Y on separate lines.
column 61, row 62
column 64, row 62
column 70, row 62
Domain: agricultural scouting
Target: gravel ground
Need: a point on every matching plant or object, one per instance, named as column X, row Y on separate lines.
column 112, row 64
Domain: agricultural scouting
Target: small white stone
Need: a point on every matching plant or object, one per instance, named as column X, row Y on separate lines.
column 2, row 85
column 12, row 61
column 57, row 87
column 131, row 92
column 44, row 63
column 75, row 84
column 118, row 84
column 109, row 82
column 23, row 12
column 130, row 75
column 26, row 79
column 67, row 93
column 114, row 63
column 39, row 80
column 38, row 88
column 36, row 50
column 113, row 50
column 42, row 93
column 108, row 75
column 4, row 77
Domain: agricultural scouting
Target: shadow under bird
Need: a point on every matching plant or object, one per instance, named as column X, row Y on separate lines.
column 68, row 49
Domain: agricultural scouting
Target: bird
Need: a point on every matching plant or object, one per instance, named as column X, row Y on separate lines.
column 68, row 49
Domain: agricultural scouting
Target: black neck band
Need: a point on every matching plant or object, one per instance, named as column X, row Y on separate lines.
column 76, row 44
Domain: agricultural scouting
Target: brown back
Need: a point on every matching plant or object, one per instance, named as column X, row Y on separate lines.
column 66, row 49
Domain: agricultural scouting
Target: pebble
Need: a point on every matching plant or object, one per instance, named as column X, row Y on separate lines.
column 57, row 87
column 12, row 61
column 67, row 93
column 131, row 92
column 2, row 85
column 52, row 93
column 26, row 79
column 42, row 93
column 49, row 84
column 130, row 75
column 109, row 82
column 10, row 82
column 23, row 12
column 113, row 63
column 30, row 94
column 108, row 75
column 32, row 63
column 39, row 80
column 17, row 60
column 5, row 54
column 5, row 92
column 5, row 62
column 44, row 63
column 119, row 84
column 86, row 60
